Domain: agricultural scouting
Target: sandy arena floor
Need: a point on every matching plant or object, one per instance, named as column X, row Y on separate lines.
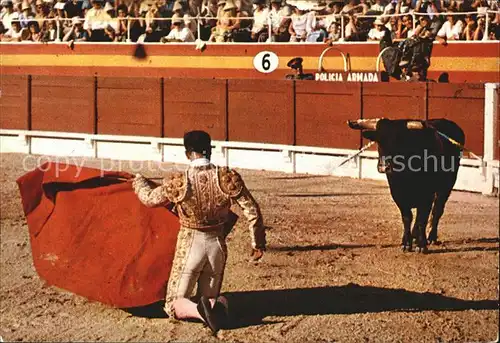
column 333, row 272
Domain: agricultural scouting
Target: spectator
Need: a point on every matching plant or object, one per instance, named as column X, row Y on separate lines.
column 393, row 25
column 451, row 29
column 35, row 35
column 479, row 34
column 403, row 6
column 76, row 33
column 40, row 14
column 405, row 28
column 378, row 6
column 227, row 22
column 379, row 32
column 352, row 29
column 14, row 33
column 179, row 33
column 9, row 14
column 350, row 8
column 73, row 8
column 298, row 25
column 470, row 28
column 51, row 33
column 96, row 21
column 122, row 14
column 334, row 32
column 26, row 14
column 151, row 35
column 318, row 23
column 190, row 23
column 279, row 21
column 260, row 15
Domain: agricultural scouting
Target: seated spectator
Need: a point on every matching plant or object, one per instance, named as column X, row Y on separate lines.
column 480, row 32
column 403, row 6
column 35, row 34
column 405, row 28
column 260, row 15
column 190, row 23
column 351, row 7
column 96, row 21
column 15, row 32
column 279, row 21
column 451, row 29
column 352, row 29
column 40, row 13
column 334, row 32
column 122, row 30
column 298, row 25
column 227, row 22
column 378, row 6
column 73, row 8
column 317, row 24
column 470, row 28
column 77, row 33
column 427, row 28
column 151, row 35
column 379, row 32
column 26, row 15
column 393, row 25
column 179, row 33
column 51, row 34
column 9, row 14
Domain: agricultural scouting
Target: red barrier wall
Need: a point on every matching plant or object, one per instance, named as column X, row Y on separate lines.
column 127, row 106
column 261, row 111
column 195, row 105
column 62, row 104
column 464, row 104
column 278, row 112
column 322, row 110
column 14, row 102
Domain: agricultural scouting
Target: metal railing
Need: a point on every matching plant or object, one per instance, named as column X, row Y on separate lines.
column 145, row 21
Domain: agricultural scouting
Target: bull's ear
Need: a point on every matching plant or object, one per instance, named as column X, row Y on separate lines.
column 371, row 135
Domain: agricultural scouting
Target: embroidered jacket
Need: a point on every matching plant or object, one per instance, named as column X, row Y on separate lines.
column 203, row 196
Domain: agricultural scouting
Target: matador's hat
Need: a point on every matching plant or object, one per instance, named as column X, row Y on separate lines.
column 198, row 141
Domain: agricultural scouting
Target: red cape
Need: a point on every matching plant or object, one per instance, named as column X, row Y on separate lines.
column 91, row 235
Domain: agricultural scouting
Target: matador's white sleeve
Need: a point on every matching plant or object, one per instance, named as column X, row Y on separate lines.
column 149, row 196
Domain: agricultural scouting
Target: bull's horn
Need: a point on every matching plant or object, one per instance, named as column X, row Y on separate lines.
column 363, row 124
column 414, row 125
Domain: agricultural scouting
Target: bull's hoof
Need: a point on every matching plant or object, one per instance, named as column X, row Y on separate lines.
column 421, row 250
column 406, row 248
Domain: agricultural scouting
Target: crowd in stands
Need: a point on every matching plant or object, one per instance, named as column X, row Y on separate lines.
column 246, row 20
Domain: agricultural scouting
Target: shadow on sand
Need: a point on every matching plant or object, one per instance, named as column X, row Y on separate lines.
column 251, row 307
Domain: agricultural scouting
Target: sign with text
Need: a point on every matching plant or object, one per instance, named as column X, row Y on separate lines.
column 348, row 77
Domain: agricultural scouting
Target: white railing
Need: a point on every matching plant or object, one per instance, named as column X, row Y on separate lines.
column 334, row 17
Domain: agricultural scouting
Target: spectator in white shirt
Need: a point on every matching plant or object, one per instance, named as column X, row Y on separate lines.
column 298, row 26
column 14, row 34
column 178, row 33
column 279, row 22
column 378, row 6
column 9, row 14
column 379, row 31
column 260, row 17
column 451, row 29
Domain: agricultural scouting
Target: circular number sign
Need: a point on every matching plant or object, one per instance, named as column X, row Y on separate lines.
column 266, row 61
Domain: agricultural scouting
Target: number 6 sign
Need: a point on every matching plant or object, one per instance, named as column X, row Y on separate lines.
column 266, row 62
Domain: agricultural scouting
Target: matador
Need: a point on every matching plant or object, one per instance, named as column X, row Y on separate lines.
column 202, row 197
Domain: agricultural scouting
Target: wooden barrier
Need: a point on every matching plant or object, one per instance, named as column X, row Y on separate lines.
column 191, row 104
column 464, row 104
column 322, row 110
column 302, row 113
column 15, row 102
column 65, row 104
column 129, row 106
column 261, row 111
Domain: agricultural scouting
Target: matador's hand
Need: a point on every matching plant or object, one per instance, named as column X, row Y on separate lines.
column 256, row 255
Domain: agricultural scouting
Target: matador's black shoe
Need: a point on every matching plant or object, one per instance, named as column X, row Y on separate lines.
column 205, row 309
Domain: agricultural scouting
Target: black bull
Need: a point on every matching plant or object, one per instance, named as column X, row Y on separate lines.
column 421, row 167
